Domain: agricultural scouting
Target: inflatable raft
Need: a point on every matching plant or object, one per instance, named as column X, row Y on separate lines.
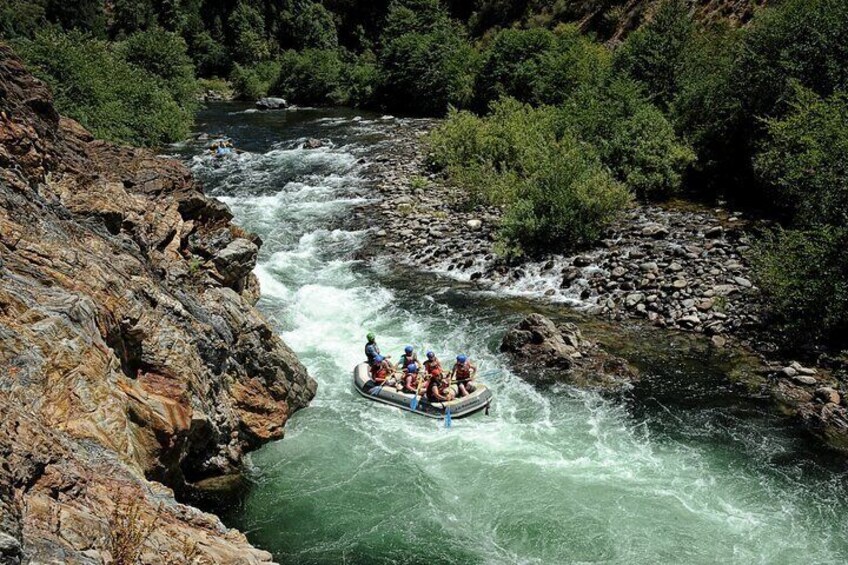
column 474, row 402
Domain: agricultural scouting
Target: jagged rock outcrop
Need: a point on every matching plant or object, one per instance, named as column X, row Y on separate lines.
column 130, row 353
column 543, row 352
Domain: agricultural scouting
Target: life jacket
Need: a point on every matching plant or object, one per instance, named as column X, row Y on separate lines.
column 405, row 360
column 462, row 371
column 433, row 367
column 379, row 372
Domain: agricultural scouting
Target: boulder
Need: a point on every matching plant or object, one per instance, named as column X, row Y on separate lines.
column 313, row 143
column 271, row 103
column 828, row 395
column 805, row 380
column 542, row 352
column 236, row 261
column 536, row 339
column 474, row 224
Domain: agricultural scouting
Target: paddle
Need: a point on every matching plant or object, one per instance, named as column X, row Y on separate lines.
column 448, row 417
column 414, row 404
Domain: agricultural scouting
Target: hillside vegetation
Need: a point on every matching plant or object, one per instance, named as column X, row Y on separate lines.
column 545, row 116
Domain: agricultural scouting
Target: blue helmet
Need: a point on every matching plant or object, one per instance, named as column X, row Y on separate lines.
column 412, row 368
column 408, row 349
column 430, row 355
column 378, row 358
column 461, row 358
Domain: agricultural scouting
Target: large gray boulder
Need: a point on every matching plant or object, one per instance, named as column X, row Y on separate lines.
column 543, row 352
column 271, row 103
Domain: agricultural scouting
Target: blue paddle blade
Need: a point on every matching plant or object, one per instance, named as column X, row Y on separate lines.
column 447, row 418
column 414, row 403
column 376, row 390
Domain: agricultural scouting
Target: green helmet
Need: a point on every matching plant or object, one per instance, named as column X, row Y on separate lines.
column 371, row 336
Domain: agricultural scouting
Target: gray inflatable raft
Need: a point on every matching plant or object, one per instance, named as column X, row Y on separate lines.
column 474, row 402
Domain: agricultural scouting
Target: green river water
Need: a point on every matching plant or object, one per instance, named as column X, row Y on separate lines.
column 679, row 473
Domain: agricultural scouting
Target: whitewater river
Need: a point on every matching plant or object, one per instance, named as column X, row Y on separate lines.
column 678, row 474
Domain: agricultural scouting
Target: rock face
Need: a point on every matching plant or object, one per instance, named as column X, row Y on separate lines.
column 542, row 352
column 130, row 353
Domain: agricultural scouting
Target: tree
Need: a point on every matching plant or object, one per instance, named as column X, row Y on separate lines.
column 804, row 160
column 247, row 31
column 653, row 54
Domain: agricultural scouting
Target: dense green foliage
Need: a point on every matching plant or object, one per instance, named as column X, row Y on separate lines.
column 539, row 66
column 555, row 188
column 114, row 90
column 804, row 274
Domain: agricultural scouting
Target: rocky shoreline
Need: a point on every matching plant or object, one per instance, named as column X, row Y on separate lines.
column 134, row 368
column 680, row 267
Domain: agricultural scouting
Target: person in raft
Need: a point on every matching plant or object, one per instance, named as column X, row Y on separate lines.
column 463, row 374
column 432, row 366
column 409, row 356
column 411, row 379
column 371, row 348
column 439, row 389
column 382, row 372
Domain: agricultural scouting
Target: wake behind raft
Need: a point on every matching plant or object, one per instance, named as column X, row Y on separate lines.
column 478, row 400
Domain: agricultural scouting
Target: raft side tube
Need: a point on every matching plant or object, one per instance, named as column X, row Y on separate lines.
column 478, row 400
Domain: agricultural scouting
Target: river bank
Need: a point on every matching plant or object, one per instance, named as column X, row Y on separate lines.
column 679, row 266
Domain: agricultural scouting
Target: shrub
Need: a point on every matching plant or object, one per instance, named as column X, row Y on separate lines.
column 539, row 66
column 803, row 162
column 313, row 28
column 797, row 41
column 310, row 76
column 632, row 137
column 251, row 83
column 511, row 64
column 509, row 139
column 247, row 29
column 425, row 72
column 566, row 201
column 164, row 55
column 210, row 57
column 360, row 79
column 556, row 191
column 804, row 277
column 94, row 85
column 707, row 108
column 20, row 19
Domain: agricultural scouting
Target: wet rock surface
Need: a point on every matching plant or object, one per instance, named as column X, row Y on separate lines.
column 542, row 352
column 132, row 359
column 271, row 103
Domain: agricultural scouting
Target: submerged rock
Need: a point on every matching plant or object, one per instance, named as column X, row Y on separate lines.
column 543, row 352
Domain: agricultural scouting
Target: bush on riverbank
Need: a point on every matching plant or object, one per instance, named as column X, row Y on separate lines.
column 255, row 81
column 117, row 98
column 804, row 276
column 554, row 187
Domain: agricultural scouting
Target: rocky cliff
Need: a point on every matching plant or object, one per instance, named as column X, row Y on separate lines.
column 133, row 365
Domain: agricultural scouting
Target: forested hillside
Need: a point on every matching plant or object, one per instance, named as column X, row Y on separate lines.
column 563, row 113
